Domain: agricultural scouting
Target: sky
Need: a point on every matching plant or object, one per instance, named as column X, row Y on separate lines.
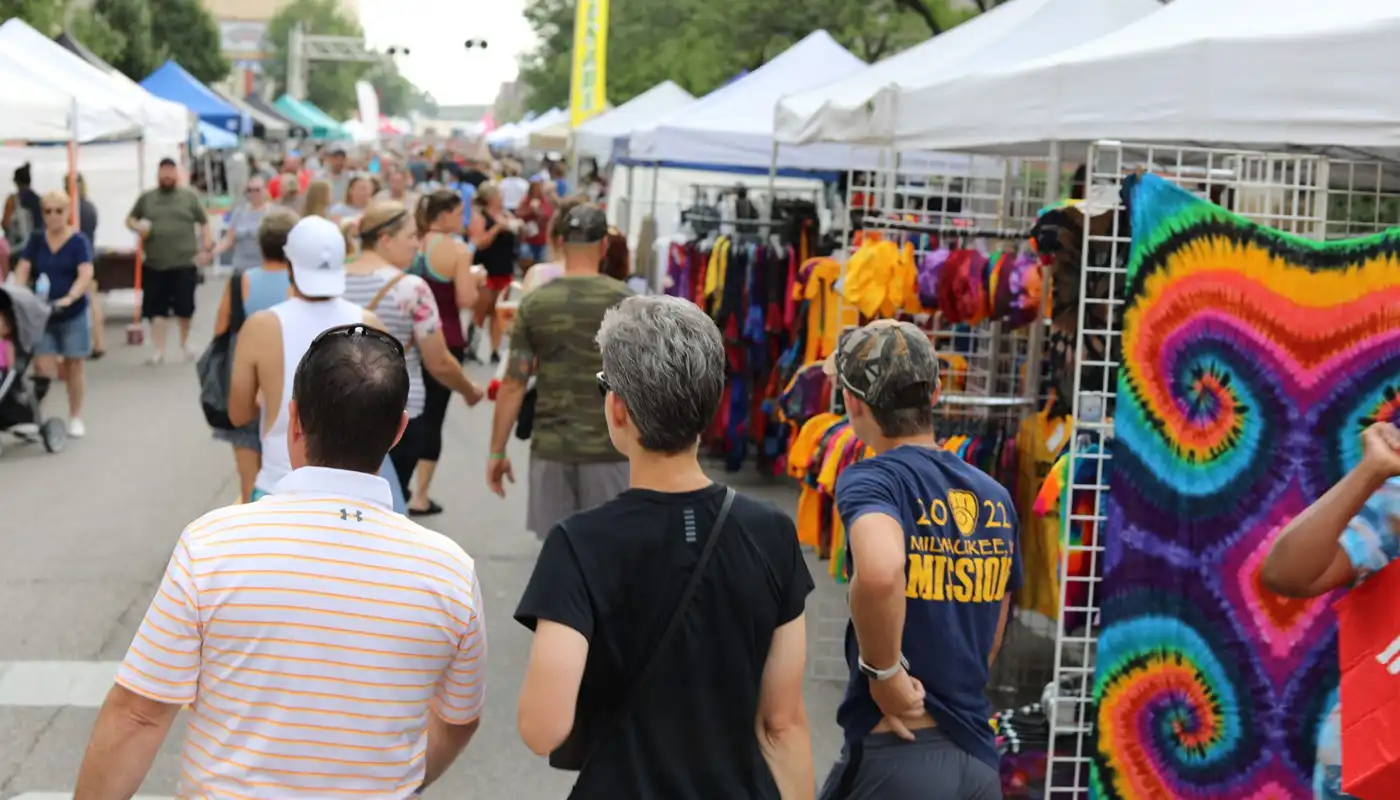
column 435, row 30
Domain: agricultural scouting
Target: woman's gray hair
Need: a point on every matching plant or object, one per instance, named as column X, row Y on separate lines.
column 664, row 358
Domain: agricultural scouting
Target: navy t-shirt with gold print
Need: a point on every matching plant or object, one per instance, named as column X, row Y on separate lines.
column 960, row 532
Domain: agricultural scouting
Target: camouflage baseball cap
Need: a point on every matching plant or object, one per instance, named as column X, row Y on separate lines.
column 888, row 364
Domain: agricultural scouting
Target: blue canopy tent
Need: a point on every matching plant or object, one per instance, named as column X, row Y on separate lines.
column 216, row 138
column 171, row 82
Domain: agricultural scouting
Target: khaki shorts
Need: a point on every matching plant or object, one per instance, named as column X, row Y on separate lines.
column 559, row 490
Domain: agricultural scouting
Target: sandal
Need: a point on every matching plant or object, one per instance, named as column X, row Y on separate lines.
column 433, row 508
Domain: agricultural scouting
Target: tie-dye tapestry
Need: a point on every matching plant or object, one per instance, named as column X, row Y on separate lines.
column 1252, row 360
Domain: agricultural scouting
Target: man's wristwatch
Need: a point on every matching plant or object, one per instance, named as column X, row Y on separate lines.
column 882, row 674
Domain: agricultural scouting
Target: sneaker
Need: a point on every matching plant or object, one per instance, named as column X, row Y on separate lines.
column 155, row 359
column 190, row 353
column 76, row 428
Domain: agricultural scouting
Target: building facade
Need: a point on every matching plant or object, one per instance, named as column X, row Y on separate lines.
column 243, row 27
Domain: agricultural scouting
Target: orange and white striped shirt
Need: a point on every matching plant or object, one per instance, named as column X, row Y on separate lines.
column 311, row 633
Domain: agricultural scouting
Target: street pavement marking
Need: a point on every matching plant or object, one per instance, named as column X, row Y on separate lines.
column 75, row 684
column 69, row 796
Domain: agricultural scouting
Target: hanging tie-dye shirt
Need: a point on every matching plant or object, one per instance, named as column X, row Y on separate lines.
column 1370, row 544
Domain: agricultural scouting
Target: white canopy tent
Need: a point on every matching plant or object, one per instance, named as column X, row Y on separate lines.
column 861, row 108
column 30, row 113
column 504, row 135
column 98, row 117
column 733, row 125
column 596, row 137
column 545, row 121
column 553, row 137
column 160, row 120
column 1269, row 74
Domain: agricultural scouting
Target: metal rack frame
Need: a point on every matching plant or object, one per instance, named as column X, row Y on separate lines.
column 1306, row 195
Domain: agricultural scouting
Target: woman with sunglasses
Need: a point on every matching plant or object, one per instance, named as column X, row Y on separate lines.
column 241, row 235
column 61, row 256
column 376, row 280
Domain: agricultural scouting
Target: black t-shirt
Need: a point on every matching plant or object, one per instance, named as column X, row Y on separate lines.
column 615, row 574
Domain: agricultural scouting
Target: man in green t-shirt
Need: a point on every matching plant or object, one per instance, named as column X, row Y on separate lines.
column 573, row 464
column 175, row 241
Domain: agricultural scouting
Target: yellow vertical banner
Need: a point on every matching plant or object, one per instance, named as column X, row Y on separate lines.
column 588, row 93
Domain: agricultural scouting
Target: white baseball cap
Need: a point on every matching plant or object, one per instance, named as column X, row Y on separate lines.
column 316, row 252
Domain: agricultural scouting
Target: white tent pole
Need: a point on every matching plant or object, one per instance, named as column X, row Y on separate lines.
column 72, row 182
column 772, row 181
column 655, row 185
column 631, row 200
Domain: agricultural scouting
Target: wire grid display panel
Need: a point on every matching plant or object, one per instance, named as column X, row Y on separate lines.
column 1287, row 192
column 991, row 203
column 991, row 374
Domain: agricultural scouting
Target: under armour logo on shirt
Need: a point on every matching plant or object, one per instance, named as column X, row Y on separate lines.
column 345, row 516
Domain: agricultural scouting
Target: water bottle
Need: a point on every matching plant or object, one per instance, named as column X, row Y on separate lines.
column 41, row 287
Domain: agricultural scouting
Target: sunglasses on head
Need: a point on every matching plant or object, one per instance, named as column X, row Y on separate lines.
column 358, row 330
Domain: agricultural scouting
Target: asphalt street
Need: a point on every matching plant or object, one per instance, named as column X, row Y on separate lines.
column 85, row 536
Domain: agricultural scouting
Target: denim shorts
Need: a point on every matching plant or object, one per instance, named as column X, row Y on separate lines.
column 69, row 338
column 534, row 252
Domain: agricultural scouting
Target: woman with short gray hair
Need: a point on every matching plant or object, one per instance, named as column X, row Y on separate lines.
column 626, row 591
column 667, row 358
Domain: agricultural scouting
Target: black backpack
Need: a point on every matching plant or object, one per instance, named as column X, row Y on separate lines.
column 215, row 367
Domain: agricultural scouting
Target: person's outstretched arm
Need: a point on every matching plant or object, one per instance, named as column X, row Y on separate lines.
column 1308, row 558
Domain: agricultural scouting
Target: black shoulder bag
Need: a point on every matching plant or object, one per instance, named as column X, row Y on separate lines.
column 215, row 366
column 574, row 754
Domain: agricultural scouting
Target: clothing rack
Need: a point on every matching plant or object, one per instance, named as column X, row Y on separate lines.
column 987, row 402
column 943, row 229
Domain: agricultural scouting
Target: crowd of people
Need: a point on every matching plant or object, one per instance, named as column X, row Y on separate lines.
column 315, row 623
column 326, row 643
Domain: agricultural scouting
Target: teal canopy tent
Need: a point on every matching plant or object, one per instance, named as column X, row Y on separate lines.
column 310, row 117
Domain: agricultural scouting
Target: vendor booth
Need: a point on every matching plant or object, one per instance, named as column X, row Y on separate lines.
column 1163, row 370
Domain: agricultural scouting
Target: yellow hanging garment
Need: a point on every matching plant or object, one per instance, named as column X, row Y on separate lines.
column 714, row 272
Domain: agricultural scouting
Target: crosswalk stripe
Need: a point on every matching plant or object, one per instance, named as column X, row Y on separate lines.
column 77, row 684
column 69, row 796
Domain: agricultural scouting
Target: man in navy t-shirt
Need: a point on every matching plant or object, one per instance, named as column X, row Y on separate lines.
column 932, row 541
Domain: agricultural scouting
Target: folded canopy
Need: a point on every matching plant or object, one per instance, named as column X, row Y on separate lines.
column 172, row 82
column 310, row 117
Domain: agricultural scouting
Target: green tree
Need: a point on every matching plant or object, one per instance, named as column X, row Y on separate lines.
column 45, row 16
column 185, row 31
column 329, row 85
column 701, row 44
column 131, row 20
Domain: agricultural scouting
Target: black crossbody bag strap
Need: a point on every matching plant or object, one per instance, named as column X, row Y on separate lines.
column 625, row 710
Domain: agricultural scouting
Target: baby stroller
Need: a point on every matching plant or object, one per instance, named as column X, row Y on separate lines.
column 22, row 319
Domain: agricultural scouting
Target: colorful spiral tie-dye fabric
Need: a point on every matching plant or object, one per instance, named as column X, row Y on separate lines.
column 1252, row 360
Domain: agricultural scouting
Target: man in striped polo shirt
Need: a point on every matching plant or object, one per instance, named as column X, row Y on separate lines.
column 325, row 645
